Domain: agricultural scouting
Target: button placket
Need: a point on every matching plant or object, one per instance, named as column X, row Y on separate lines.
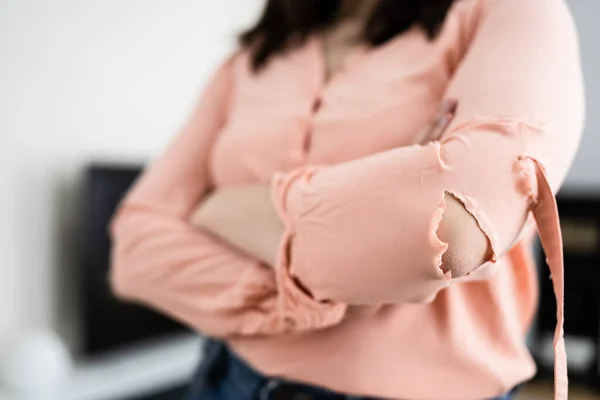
column 298, row 155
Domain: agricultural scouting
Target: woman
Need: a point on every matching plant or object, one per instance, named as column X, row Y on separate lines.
column 303, row 219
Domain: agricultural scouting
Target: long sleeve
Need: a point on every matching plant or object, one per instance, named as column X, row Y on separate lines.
column 161, row 261
column 364, row 231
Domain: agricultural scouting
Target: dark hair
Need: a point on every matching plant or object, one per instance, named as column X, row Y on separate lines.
column 287, row 23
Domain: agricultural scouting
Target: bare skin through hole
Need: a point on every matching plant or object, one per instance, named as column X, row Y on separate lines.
column 468, row 246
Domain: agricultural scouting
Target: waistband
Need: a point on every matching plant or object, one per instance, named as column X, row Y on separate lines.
column 220, row 367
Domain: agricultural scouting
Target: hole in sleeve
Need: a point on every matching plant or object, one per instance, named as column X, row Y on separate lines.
column 468, row 245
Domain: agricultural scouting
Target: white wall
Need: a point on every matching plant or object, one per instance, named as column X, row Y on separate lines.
column 80, row 81
column 586, row 169
column 7, row 253
column 113, row 79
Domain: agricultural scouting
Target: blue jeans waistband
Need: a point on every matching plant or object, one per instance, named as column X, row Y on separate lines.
column 223, row 376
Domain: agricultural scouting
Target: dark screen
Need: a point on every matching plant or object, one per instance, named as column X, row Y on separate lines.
column 109, row 323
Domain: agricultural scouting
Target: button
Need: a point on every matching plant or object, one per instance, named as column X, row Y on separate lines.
column 307, row 142
column 317, row 103
column 289, row 321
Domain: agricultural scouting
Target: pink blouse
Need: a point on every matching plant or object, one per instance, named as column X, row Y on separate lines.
column 357, row 301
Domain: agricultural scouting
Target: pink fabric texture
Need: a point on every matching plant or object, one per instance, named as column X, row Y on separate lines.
column 357, row 301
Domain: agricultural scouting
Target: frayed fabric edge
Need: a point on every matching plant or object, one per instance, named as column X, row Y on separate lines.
column 437, row 244
column 482, row 221
column 297, row 310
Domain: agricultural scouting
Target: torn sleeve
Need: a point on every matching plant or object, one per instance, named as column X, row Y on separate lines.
column 364, row 231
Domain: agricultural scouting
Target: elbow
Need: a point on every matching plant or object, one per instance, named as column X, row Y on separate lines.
column 468, row 246
column 121, row 281
column 121, row 277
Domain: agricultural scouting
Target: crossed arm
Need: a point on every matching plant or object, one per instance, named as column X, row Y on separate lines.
column 244, row 217
column 392, row 227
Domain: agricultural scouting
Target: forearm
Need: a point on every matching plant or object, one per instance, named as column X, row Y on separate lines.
column 164, row 263
column 242, row 216
column 386, row 228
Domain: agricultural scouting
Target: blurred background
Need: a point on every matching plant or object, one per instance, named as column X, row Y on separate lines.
column 89, row 92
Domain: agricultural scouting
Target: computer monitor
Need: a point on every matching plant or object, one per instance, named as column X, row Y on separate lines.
column 108, row 323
